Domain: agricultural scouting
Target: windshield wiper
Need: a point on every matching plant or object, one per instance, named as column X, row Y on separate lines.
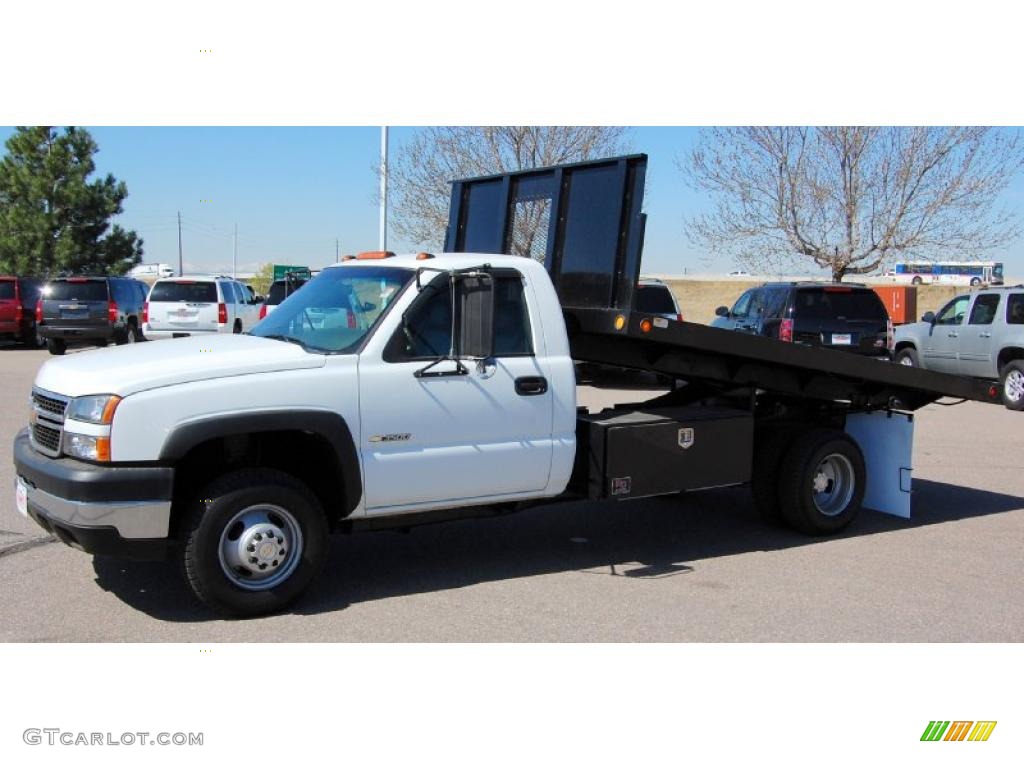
column 294, row 340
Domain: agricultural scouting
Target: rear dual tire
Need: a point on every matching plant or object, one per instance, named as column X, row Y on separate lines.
column 813, row 480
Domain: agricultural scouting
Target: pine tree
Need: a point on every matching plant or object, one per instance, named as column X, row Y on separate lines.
column 53, row 219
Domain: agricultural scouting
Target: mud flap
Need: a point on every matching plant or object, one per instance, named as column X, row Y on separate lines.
column 887, row 441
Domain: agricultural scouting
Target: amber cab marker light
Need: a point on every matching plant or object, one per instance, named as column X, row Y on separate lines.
column 645, row 325
column 620, row 322
column 375, row 255
column 424, row 256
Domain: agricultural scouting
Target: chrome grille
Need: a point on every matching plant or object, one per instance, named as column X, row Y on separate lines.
column 49, row 404
column 47, row 421
column 46, row 438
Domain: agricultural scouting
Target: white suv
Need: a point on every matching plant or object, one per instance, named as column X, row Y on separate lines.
column 194, row 306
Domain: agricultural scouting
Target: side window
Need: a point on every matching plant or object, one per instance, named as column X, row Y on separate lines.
column 758, row 300
column 775, row 302
column 984, row 310
column 953, row 313
column 1015, row 309
column 511, row 319
column 742, row 305
column 228, row 297
column 426, row 332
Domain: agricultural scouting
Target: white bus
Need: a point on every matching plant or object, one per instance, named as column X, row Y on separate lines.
column 947, row 272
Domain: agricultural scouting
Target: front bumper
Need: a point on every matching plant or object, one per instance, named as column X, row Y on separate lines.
column 114, row 510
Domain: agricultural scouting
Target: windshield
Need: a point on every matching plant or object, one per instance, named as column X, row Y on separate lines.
column 281, row 289
column 655, row 299
column 185, row 290
column 335, row 311
column 76, row 289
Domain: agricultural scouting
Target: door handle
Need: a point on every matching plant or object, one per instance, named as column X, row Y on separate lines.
column 531, row 385
column 953, row 335
column 985, row 335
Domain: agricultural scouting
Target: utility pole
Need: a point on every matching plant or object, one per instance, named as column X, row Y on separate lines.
column 234, row 253
column 384, row 188
column 181, row 269
column 336, row 257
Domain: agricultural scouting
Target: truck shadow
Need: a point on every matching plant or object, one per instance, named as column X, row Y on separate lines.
column 656, row 538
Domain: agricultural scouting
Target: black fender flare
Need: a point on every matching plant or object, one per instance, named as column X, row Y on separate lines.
column 326, row 424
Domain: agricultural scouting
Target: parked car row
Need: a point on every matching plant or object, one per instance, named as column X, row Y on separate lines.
column 99, row 310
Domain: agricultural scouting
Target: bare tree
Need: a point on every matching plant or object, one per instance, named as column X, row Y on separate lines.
column 421, row 173
column 850, row 199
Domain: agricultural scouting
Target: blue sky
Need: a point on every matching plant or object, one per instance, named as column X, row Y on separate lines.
column 292, row 191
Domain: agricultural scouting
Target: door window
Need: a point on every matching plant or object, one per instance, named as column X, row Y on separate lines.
column 742, row 305
column 984, row 310
column 426, row 333
column 953, row 313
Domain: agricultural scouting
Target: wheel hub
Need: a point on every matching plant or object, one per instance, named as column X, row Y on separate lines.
column 1015, row 385
column 832, row 486
column 259, row 547
column 263, row 548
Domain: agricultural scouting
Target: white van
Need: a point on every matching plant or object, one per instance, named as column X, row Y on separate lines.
column 152, row 270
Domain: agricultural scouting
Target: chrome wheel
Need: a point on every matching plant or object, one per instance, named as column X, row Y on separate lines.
column 1013, row 386
column 905, row 360
column 833, row 484
column 260, row 547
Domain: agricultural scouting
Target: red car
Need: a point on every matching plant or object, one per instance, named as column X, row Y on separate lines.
column 18, row 309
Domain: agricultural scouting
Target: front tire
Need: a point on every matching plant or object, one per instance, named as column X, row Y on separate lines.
column 56, row 346
column 1011, row 383
column 822, row 481
column 908, row 357
column 255, row 540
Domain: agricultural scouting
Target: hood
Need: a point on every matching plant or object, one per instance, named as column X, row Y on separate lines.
column 132, row 368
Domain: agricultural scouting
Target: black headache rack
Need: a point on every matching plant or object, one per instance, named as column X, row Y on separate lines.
column 584, row 223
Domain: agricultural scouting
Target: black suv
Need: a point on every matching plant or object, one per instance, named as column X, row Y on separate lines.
column 93, row 310
column 833, row 315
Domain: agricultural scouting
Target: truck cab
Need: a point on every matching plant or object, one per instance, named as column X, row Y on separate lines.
column 386, row 387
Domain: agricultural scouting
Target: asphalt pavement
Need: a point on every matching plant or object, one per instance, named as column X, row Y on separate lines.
column 697, row 567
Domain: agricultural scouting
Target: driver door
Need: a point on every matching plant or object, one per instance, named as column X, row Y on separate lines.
column 455, row 439
column 942, row 344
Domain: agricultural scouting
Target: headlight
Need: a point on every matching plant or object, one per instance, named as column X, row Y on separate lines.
column 91, row 447
column 95, row 409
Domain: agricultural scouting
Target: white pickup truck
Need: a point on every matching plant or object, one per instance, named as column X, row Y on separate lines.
column 398, row 390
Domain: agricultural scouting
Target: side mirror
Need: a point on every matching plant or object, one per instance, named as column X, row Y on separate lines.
column 475, row 319
column 368, row 306
column 722, row 311
column 928, row 317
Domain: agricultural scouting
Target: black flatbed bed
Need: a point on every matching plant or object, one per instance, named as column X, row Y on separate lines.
column 590, row 240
